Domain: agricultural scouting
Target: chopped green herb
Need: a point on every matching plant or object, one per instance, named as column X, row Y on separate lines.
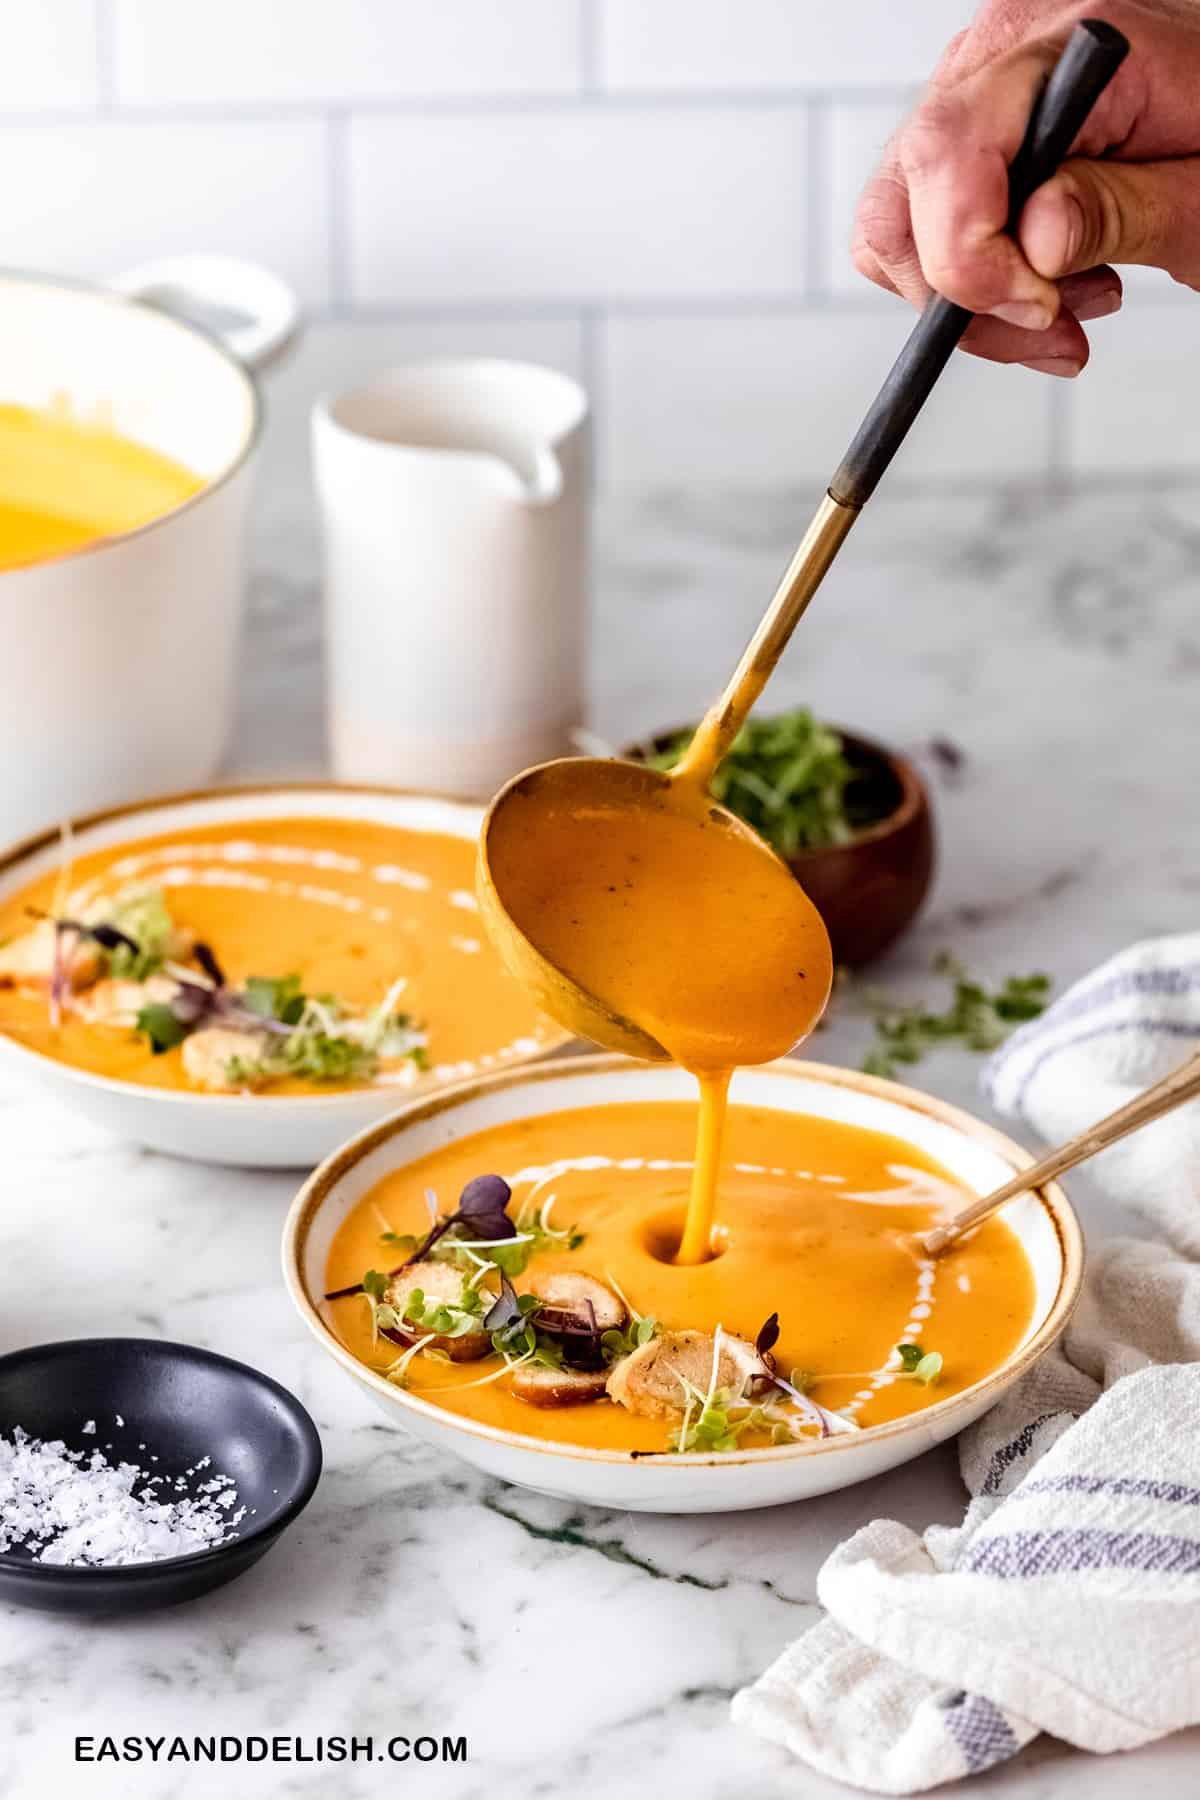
column 399, row 1240
column 281, row 999
column 924, row 1366
column 142, row 916
column 977, row 1017
column 161, row 1026
column 639, row 1330
column 790, row 779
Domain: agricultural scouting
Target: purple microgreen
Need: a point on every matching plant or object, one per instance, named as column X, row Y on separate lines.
column 505, row 1309
column 480, row 1213
column 768, row 1336
column 825, row 1421
column 207, row 959
column 576, row 1333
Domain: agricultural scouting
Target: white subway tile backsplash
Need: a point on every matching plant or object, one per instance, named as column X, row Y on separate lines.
column 775, row 398
column 657, row 195
column 312, row 50
column 50, row 55
column 556, row 203
column 855, row 140
column 1134, row 406
column 771, row 43
column 91, row 198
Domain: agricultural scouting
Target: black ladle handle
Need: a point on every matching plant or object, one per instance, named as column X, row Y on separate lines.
column 1092, row 55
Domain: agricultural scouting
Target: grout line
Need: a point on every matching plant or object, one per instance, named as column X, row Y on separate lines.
column 337, row 200
column 588, row 19
column 568, row 306
column 593, row 375
column 819, row 171
column 106, row 55
column 268, row 111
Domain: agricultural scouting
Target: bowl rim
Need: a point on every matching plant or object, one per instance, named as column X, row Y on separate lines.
column 913, row 802
column 12, row 1562
column 14, row 854
column 329, row 1174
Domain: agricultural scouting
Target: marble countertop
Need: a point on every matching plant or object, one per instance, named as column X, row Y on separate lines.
column 1055, row 638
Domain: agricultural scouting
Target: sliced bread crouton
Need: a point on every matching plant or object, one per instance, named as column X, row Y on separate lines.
column 437, row 1281
column 655, row 1380
column 566, row 1292
column 558, row 1387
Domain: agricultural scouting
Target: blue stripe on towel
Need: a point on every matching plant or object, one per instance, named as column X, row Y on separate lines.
column 1030, row 1553
column 1146, row 1027
column 980, row 1730
column 1139, row 1486
column 1171, row 984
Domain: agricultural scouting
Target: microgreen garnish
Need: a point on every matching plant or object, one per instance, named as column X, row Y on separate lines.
column 282, row 999
column 162, row 1026
column 923, row 1365
column 399, row 1240
column 827, row 1423
column 977, row 1017
column 480, row 1213
column 534, row 1222
column 789, row 778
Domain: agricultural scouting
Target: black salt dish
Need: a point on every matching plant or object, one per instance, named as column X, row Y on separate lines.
column 183, row 1404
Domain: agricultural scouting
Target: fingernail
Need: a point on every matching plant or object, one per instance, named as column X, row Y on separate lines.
column 1098, row 306
column 1074, row 229
column 1030, row 315
column 1064, row 366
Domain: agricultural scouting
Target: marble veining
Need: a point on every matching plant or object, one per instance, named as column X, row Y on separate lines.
column 1053, row 639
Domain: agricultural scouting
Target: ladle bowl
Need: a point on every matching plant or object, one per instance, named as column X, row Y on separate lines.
column 577, row 785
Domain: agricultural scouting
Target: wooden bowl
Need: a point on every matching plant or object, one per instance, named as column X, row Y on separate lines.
column 870, row 890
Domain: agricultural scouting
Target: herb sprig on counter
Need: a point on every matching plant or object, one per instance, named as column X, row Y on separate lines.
column 788, row 777
column 977, row 1017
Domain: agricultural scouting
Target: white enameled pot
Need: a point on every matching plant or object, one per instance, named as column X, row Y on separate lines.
column 734, row 1480
column 117, row 674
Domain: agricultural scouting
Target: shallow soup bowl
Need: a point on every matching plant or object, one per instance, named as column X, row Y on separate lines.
column 979, row 1157
column 261, row 1130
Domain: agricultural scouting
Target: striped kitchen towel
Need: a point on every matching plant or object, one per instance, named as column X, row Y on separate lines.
column 1068, row 1600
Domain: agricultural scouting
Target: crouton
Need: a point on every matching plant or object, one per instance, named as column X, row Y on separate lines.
column 114, row 1002
column 567, row 1292
column 437, row 1281
column 656, row 1379
column 28, row 959
column 557, row 1387
column 208, row 1053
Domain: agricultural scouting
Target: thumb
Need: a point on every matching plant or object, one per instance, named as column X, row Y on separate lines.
column 1110, row 212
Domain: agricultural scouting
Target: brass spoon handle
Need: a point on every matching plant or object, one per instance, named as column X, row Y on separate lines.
column 1181, row 1085
column 1092, row 54
column 804, row 575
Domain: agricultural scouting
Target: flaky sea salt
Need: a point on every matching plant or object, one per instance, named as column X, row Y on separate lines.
column 74, row 1506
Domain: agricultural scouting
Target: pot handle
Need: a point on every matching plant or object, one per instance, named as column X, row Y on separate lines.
column 247, row 308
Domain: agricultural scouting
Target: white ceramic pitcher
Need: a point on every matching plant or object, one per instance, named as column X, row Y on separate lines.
column 453, row 499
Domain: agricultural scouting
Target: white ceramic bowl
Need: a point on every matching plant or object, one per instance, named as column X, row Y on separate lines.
column 980, row 1157
column 257, row 1131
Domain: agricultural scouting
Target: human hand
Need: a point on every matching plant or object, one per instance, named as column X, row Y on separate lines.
column 933, row 217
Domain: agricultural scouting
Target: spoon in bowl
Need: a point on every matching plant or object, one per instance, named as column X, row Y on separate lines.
column 1181, row 1085
column 546, row 816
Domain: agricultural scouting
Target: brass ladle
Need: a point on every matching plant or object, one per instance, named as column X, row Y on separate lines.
column 574, row 785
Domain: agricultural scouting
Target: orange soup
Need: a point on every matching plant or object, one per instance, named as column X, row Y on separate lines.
column 279, row 955
column 818, row 1228
column 64, row 485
